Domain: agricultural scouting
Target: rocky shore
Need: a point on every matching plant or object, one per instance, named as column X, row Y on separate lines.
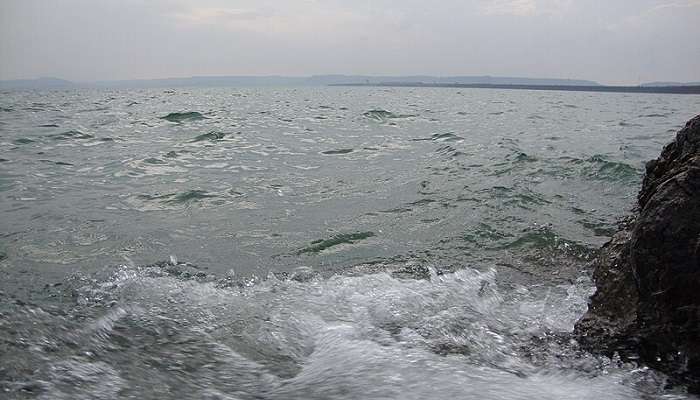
column 647, row 305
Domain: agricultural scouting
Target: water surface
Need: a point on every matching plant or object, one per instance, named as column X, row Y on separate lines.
column 320, row 242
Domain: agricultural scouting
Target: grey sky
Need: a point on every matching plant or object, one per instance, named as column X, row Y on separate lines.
column 611, row 41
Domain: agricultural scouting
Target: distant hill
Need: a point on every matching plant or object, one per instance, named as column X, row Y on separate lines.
column 316, row 80
column 510, row 86
column 493, row 80
column 657, row 84
column 323, row 80
column 208, row 81
column 39, row 83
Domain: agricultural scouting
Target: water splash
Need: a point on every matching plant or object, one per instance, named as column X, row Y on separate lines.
column 170, row 330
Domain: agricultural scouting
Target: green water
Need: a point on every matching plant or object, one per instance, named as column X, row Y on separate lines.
column 314, row 242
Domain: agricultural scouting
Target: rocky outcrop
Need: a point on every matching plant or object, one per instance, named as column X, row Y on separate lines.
column 647, row 304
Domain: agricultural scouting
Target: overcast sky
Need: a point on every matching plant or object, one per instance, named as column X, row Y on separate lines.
column 610, row 41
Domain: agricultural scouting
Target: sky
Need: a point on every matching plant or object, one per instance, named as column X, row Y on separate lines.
column 609, row 41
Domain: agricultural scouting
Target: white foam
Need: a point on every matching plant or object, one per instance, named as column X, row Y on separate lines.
column 454, row 336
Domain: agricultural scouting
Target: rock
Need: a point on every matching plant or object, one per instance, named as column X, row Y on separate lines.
column 647, row 305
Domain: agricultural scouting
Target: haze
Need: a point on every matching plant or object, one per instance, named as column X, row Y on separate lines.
column 614, row 42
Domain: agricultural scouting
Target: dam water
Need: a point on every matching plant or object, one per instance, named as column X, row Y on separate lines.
column 315, row 243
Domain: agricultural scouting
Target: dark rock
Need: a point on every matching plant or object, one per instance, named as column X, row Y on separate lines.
column 647, row 304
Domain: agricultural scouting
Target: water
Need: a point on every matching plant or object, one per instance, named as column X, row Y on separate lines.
column 306, row 243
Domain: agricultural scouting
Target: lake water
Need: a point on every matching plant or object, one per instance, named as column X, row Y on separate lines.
column 314, row 243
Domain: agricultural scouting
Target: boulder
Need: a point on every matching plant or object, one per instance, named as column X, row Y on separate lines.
column 647, row 303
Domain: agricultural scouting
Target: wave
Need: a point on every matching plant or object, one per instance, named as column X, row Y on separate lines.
column 71, row 135
column 337, row 151
column 630, row 124
column 524, row 157
column 449, row 151
column 653, row 116
column 177, row 200
column 380, row 115
column 63, row 163
column 597, row 167
column 441, row 137
column 523, row 198
column 154, row 161
column 180, row 117
column 189, row 196
column 600, row 167
column 211, row 136
column 171, row 329
column 545, row 238
column 23, row 141
column 320, row 245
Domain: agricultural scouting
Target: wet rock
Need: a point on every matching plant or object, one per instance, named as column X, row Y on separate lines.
column 648, row 276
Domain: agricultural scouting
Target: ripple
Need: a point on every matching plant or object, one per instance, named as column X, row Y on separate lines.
column 56, row 162
column 189, row 196
column 545, row 238
column 399, row 210
column 523, row 198
column 441, row 137
column 180, row 117
column 154, row 161
column 338, row 151
column 178, row 200
column 212, row 136
column 486, row 232
column 23, row 141
column 602, row 168
column 599, row 228
column 71, row 135
column 524, row 157
column 176, row 153
column 449, row 151
column 380, row 115
column 630, row 124
column 320, row 245
column 422, row 202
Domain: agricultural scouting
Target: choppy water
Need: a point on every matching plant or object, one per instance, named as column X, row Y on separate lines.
column 323, row 242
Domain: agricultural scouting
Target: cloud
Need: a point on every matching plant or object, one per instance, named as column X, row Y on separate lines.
column 524, row 8
column 213, row 15
column 609, row 41
column 307, row 24
column 676, row 4
column 296, row 21
column 645, row 17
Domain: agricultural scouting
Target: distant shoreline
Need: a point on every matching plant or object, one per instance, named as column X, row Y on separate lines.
column 569, row 88
column 485, row 82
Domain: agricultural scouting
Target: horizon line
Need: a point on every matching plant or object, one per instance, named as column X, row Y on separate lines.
column 394, row 78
